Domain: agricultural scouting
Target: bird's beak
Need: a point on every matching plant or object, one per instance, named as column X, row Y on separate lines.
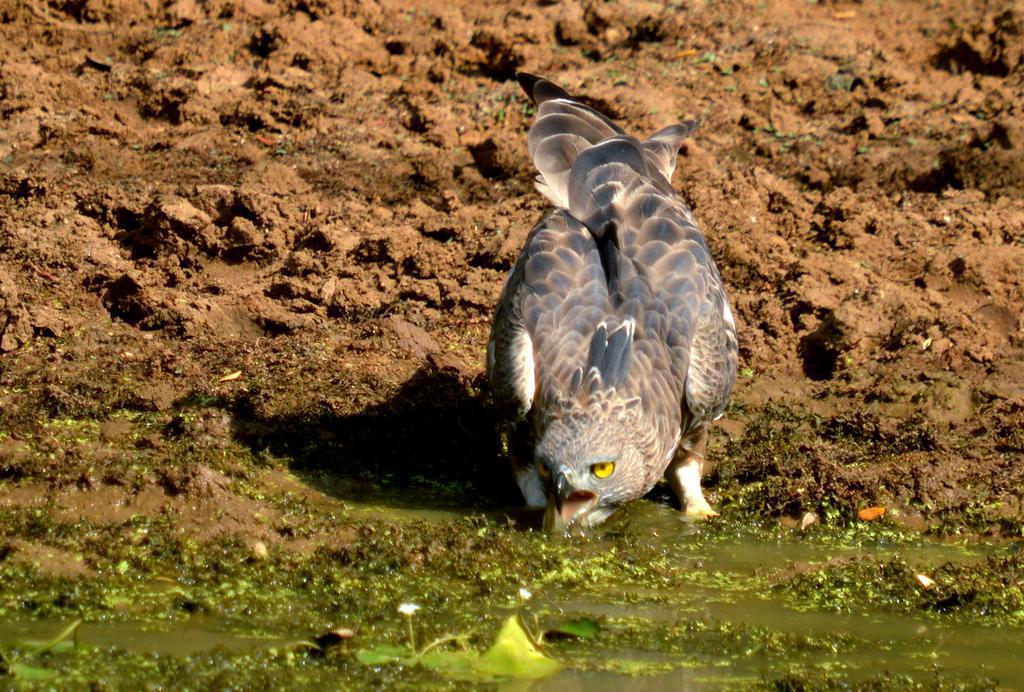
column 567, row 506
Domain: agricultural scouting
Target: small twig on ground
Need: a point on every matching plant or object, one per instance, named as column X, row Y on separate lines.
column 46, row 275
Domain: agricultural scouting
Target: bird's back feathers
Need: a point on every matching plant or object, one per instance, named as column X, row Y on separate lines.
column 615, row 289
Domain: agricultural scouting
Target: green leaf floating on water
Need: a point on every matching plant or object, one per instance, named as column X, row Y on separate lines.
column 26, row 672
column 513, row 655
column 458, row 665
column 580, row 628
column 384, row 654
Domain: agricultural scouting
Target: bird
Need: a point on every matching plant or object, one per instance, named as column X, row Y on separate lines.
column 613, row 345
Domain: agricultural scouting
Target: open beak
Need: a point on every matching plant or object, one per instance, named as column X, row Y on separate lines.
column 567, row 506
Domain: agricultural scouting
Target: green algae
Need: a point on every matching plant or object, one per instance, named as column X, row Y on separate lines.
column 719, row 600
column 989, row 591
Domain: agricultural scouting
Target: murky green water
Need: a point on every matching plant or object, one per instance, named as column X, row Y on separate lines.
column 897, row 644
column 726, row 620
column 174, row 639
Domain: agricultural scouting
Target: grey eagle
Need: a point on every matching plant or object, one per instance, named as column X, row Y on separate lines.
column 613, row 346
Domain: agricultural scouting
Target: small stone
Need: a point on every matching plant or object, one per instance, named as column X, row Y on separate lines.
column 611, row 36
column 334, row 637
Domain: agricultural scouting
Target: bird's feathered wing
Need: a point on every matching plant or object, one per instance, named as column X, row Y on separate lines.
column 619, row 266
column 551, row 305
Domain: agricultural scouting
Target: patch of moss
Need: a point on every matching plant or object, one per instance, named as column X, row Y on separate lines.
column 806, row 678
column 788, row 462
column 988, row 591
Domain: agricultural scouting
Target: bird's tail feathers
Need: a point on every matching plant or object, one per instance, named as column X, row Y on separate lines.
column 539, row 89
column 567, row 130
column 601, row 177
column 564, row 129
column 662, row 148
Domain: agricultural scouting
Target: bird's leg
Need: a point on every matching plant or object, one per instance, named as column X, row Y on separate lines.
column 520, row 456
column 685, row 471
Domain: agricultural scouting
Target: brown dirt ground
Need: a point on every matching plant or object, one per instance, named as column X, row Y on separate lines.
column 326, row 196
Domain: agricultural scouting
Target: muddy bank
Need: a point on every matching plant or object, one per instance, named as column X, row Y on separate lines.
column 326, row 199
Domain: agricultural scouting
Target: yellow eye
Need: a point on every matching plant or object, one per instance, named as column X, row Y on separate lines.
column 603, row 469
column 543, row 471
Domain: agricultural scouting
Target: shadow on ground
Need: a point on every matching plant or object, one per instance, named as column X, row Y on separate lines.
column 432, row 445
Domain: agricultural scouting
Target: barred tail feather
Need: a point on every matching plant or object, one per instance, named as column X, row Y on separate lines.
column 662, row 148
column 564, row 129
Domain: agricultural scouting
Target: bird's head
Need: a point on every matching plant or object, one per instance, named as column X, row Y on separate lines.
column 590, row 463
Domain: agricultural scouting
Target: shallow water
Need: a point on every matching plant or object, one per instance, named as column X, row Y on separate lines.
column 729, row 575
column 897, row 644
column 916, row 645
column 884, row 642
column 185, row 638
